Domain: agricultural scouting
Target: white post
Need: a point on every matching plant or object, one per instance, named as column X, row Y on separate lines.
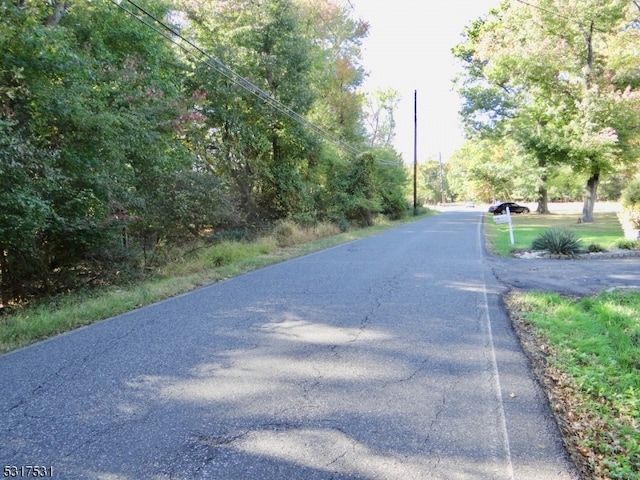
column 510, row 226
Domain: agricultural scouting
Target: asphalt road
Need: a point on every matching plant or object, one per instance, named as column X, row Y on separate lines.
column 385, row 358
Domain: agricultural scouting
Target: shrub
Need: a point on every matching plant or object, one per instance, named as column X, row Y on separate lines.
column 558, row 241
column 343, row 224
column 626, row 244
column 594, row 248
column 630, row 201
column 287, row 233
column 326, row 229
column 631, row 194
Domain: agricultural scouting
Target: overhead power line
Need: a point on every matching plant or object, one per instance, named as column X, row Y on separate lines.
column 538, row 7
column 573, row 20
column 171, row 34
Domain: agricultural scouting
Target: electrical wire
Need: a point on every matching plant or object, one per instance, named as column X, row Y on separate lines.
column 559, row 15
column 177, row 39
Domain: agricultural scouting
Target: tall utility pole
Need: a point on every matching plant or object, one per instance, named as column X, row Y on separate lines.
column 441, row 178
column 415, row 152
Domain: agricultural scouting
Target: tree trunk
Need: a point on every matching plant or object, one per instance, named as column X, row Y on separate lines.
column 58, row 10
column 5, row 288
column 543, row 199
column 543, row 193
column 590, row 195
column 11, row 285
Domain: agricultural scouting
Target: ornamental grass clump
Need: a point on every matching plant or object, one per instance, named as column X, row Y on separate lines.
column 558, row 241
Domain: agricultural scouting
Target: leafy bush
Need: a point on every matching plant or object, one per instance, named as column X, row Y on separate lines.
column 558, row 241
column 594, row 248
column 629, row 244
column 631, row 194
column 232, row 235
column 186, row 204
column 630, row 201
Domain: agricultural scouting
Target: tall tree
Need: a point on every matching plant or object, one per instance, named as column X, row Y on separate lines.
column 492, row 169
column 336, row 39
column 248, row 138
column 92, row 105
column 379, row 117
column 553, row 74
column 304, row 54
column 432, row 181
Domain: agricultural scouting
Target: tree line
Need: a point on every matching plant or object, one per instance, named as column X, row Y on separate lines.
column 551, row 97
column 126, row 125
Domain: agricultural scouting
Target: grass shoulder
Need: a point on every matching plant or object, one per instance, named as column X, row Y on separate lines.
column 182, row 270
column 586, row 353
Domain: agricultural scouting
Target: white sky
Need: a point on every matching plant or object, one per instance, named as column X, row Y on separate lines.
column 409, row 49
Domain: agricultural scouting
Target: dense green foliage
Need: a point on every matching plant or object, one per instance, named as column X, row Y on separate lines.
column 116, row 140
column 556, row 78
column 631, row 195
column 485, row 170
column 630, row 201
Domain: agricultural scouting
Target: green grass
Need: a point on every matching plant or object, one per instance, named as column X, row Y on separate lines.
column 592, row 347
column 182, row 270
column 605, row 231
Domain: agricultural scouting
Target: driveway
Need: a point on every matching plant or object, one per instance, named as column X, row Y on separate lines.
column 568, row 276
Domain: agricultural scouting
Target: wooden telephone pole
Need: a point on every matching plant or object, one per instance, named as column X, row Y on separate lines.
column 415, row 152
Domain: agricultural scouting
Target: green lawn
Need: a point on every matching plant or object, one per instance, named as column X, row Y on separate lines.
column 604, row 232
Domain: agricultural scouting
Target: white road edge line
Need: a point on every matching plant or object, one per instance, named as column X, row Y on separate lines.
column 494, row 361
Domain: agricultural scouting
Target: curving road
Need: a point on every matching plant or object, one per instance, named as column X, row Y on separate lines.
column 385, row 358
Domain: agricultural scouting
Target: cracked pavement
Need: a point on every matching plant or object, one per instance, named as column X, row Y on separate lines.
column 385, row 358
